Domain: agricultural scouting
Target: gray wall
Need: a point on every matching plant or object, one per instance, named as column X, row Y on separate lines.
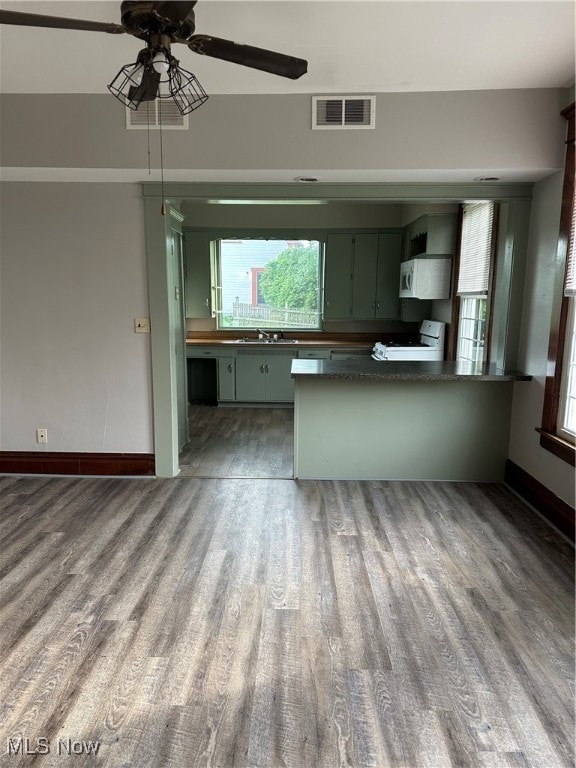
column 73, row 278
column 469, row 132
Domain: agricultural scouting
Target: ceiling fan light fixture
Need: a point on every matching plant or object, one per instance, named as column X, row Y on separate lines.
column 156, row 74
column 184, row 87
column 128, row 86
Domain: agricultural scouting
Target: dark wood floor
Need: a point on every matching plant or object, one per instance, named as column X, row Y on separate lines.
column 269, row 623
column 239, row 442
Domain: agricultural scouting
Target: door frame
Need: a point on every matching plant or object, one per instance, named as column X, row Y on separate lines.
column 165, row 313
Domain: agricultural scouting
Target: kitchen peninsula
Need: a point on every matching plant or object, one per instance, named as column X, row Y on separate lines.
column 401, row 420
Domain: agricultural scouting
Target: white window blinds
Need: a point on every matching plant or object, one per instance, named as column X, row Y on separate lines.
column 475, row 249
column 570, row 284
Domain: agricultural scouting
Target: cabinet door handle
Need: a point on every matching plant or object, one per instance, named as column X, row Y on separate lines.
column 229, row 367
column 266, row 369
column 262, row 369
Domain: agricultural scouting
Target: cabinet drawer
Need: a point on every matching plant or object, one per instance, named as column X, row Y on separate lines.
column 350, row 354
column 192, row 351
column 314, row 354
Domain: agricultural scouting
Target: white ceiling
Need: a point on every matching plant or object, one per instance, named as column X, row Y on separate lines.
column 352, row 46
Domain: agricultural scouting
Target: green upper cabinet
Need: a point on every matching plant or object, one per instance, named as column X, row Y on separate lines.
column 198, row 282
column 376, row 275
column 362, row 275
column 364, row 271
column 433, row 234
column 390, row 247
column 338, row 275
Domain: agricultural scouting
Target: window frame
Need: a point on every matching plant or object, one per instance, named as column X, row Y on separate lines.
column 550, row 439
column 258, row 235
column 454, row 333
column 567, row 375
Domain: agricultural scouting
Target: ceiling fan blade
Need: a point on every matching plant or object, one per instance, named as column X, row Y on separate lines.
column 56, row 22
column 174, row 11
column 249, row 56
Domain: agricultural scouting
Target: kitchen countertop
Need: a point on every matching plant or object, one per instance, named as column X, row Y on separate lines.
column 328, row 343
column 402, row 370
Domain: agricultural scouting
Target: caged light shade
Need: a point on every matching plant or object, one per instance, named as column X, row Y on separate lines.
column 156, row 74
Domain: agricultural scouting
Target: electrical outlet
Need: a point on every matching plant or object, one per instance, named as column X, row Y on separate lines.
column 41, row 435
column 141, row 325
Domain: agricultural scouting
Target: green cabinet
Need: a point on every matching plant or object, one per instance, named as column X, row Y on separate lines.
column 361, row 275
column 364, row 271
column 376, row 276
column 226, row 379
column 433, row 234
column 264, row 377
column 338, row 276
column 197, row 277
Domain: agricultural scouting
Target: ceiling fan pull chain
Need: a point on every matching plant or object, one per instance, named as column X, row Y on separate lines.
column 148, row 136
column 162, row 207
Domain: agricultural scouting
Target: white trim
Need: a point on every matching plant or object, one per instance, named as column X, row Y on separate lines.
column 283, row 176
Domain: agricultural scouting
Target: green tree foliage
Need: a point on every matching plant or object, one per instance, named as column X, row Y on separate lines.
column 291, row 279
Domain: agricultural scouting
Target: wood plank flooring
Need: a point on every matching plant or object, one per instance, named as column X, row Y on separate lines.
column 281, row 624
column 239, row 442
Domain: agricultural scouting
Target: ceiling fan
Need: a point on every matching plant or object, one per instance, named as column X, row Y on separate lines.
column 156, row 72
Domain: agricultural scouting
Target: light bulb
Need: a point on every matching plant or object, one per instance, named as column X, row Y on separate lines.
column 160, row 63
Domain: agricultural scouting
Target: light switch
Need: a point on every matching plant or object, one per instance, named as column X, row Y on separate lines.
column 141, row 325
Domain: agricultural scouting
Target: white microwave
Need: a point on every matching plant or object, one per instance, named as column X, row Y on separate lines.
column 425, row 279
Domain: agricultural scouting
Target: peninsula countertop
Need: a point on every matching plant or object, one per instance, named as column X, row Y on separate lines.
column 402, row 370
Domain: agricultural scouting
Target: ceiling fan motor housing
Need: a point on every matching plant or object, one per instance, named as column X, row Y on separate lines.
column 143, row 18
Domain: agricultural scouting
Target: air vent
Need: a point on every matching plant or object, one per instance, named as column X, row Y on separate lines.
column 343, row 112
column 151, row 113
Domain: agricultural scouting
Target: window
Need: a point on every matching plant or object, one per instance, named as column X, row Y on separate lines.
column 558, row 430
column 472, row 328
column 473, row 287
column 567, row 404
column 268, row 283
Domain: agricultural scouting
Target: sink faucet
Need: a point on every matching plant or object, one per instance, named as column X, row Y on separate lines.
column 262, row 334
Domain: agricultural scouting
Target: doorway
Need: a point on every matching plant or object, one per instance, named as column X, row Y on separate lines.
column 238, row 442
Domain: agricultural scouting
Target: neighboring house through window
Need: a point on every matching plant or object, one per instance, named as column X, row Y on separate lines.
column 268, row 282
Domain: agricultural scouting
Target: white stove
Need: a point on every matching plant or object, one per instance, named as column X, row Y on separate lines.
column 430, row 345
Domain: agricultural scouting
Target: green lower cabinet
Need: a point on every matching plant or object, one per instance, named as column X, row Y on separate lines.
column 226, row 379
column 264, row 378
column 279, row 382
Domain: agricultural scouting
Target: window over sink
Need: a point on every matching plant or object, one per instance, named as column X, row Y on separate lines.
column 268, row 283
